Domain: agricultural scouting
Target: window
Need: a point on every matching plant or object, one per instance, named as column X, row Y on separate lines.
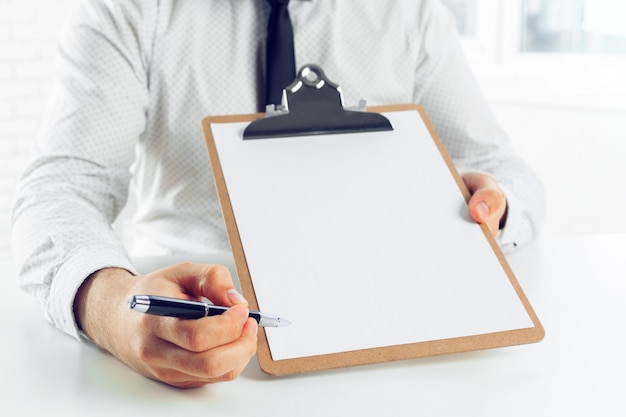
column 574, row 26
column 569, row 52
column 549, row 26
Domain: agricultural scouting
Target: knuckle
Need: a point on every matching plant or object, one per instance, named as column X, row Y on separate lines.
column 163, row 375
column 192, row 339
column 219, row 268
column 493, row 195
column 500, row 201
column 180, row 266
column 145, row 353
column 213, row 367
column 489, row 192
column 497, row 193
column 218, row 271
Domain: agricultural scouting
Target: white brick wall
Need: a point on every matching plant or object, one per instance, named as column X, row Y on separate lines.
column 28, row 34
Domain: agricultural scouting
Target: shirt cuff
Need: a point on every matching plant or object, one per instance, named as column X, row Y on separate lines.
column 513, row 234
column 71, row 275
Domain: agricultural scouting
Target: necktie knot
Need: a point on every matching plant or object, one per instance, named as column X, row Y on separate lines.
column 275, row 3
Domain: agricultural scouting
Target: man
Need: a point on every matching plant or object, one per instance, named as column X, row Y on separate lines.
column 134, row 80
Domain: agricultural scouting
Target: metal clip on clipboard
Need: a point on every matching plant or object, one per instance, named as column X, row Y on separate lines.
column 313, row 105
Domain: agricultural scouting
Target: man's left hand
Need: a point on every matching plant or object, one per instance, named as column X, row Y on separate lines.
column 488, row 203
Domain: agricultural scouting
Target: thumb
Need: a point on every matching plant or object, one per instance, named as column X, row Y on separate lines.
column 487, row 204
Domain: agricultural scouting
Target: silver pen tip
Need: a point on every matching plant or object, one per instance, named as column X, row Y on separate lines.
column 283, row 322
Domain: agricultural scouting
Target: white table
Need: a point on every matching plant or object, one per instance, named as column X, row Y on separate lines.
column 577, row 286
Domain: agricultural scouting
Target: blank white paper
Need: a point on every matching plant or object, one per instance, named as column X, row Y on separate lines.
column 362, row 240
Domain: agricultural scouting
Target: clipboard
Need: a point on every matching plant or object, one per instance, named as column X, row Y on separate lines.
column 429, row 305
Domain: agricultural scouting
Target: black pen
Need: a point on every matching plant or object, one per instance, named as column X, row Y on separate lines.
column 187, row 309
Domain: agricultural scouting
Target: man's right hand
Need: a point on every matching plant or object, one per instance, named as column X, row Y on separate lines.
column 182, row 353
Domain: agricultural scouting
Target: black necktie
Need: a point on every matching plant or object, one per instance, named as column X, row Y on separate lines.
column 280, row 56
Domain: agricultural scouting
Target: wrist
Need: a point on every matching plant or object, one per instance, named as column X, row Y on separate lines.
column 94, row 309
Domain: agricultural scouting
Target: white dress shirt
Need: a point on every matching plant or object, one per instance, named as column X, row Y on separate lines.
column 134, row 80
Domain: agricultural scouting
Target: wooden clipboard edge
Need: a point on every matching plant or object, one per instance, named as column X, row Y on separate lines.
column 461, row 184
column 241, row 264
column 399, row 352
column 374, row 355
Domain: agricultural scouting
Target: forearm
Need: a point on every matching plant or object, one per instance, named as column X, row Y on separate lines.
column 78, row 180
column 61, row 233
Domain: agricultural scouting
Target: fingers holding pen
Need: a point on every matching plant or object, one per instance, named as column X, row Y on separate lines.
column 207, row 280
column 192, row 353
column 206, row 333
